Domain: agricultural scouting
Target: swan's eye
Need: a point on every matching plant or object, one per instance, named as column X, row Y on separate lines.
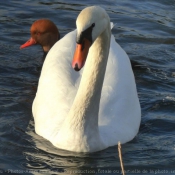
column 93, row 25
column 85, row 34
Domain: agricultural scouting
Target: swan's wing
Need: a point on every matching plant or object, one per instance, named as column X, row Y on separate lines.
column 57, row 87
column 119, row 106
column 112, row 25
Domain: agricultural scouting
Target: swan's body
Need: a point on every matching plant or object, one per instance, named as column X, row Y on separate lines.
column 77, row 111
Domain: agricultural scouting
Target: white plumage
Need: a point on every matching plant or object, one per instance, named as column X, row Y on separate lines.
column 119, row 112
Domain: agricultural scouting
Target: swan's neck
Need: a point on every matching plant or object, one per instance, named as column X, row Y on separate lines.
column 82, row 119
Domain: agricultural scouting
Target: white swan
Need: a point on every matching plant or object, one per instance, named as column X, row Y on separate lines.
column 94, row 108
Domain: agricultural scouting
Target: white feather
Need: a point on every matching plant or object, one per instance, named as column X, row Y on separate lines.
column 119, row 111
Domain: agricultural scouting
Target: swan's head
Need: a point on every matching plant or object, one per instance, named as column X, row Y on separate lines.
column 91, row 22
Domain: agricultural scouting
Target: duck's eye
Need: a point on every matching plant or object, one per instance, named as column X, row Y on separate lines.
column 93, row 25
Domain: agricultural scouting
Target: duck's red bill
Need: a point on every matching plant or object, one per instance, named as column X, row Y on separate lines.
column 80, row 54
column 30, row 42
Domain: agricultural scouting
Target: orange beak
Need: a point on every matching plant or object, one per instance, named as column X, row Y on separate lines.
column 30, row 42
column 80, row 54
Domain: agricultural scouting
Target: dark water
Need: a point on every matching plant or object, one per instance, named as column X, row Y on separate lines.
column 146, row 30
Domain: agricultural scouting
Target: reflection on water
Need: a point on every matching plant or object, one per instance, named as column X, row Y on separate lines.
column 145, row 29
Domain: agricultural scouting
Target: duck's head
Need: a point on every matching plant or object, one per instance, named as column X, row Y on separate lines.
column 43, row 32
column 91, row 22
